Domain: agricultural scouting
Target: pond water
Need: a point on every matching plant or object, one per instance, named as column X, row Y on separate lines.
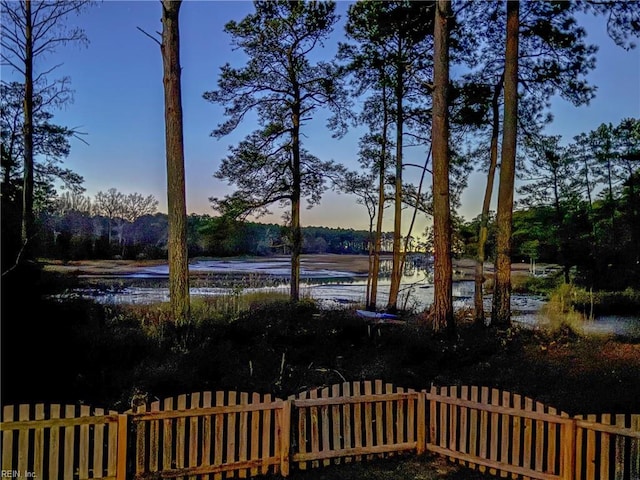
column 332, row 288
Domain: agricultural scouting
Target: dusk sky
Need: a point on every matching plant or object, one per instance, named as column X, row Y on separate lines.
column 119, row 103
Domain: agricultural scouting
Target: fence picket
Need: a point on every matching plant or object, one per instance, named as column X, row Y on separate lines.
column 453, row 421
column 473, row 430
column 551, row 452
column 484, row 425
column 7, row 439
column 207, row 434
column 357, row 421
column 218, row 439
column 605, row 448
column 324, row 411
column 540, row 440
column 579, row 444
column 154, row 440
column 23, row 440
column 194, row 437
column 254, row 453
column 379, row 417
column 494, row 443
column 444, row 424
column 336, row 421
column 231, row 432
column 315, row 428
column 244, row 433
column 433, row 426
column 38, row 442
column 181, row 434
column 368, row 418
column 69, row 441
column 167, row 436
column 346, row 419
column 504, row 435
column 591, row 450
column 267, row 435
column 302, row 430
column 515, row 435
column 528, row 436
column 83, row 451
column 464, row 412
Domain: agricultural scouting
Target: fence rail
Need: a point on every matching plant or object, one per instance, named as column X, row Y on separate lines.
column 216, row 435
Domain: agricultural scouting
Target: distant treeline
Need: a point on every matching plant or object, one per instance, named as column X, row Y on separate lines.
column 75, row 236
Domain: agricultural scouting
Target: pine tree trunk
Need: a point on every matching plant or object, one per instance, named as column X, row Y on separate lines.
column 396, row 269
column 501, row 312
column 27, row 187
column 373, row 299
column 176, row 202
column 296, row 229
column 443, row 269
column 486, row 205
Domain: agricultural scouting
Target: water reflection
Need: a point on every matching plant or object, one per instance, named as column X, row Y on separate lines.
column 332, row 288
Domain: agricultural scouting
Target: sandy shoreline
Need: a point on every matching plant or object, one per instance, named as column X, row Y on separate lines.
column 358, row 264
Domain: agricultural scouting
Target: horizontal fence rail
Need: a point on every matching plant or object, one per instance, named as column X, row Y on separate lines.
column 216, row 435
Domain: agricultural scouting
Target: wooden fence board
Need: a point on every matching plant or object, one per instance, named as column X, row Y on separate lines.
column 315, row 427
column 516, row 451
column 473, row 427
column 453, row 421
column 540, row 439
column 154, row 440
column 243, row 430
column 324, row 416
column 83, row 450
column 464, row 412
column 590, row 460
column 494, row 443
column 336, row 420
column 194, row 435
column 219, row 440
column 346, row 420
column 268, row 435
column 357, row 421
column 231, row 433
column 207, row 433
column 484, row 424
column 528, row 436
column 7, row 439
column 23, row 440
column 302, row 430
column 69, row 443
column 167, row 436
column 605, row 450
column 368, row 417
column 38, row 442
column 551, row 453
column 504, row 433
column 580, row 433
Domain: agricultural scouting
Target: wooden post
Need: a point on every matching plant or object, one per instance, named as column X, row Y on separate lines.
column 285, row 438
column 121, row 472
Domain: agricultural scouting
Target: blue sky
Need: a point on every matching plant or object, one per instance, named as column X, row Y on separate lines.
column 119, row 104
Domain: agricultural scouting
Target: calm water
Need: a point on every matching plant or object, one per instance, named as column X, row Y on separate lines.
column 333, row 289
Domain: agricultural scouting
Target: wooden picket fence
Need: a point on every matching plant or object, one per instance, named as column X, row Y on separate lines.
column 216, row 435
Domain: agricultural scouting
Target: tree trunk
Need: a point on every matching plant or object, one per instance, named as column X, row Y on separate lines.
column 486, row 205
column 501, row 312
column 296, row 229
column 176, row 202
column 27, row 188
column 443, row 269
column 373, row 299
column 396, row 269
